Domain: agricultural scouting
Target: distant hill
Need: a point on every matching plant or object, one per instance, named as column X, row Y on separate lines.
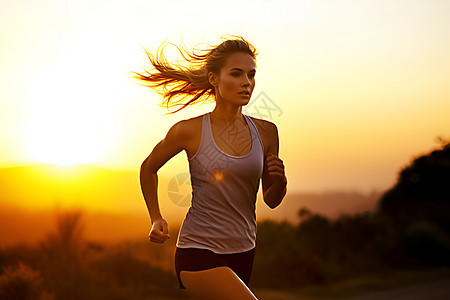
column 112, row 199
column 96, row 189
column 331, row 204
column 18, row 225
column 81, row 186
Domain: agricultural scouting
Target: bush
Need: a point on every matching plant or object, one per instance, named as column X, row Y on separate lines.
column 427, row 243
column 21, row 282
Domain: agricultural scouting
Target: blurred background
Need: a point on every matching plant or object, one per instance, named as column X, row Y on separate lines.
column 360, row 94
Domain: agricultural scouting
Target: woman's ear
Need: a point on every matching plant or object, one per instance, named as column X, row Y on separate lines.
column 212, row 78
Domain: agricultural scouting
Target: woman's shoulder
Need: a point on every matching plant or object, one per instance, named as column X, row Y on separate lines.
column 189, row 126
column 194, row 121
column 264, row 126
column 269, row 134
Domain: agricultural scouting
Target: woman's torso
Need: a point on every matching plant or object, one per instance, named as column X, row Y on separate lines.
column 226, row 165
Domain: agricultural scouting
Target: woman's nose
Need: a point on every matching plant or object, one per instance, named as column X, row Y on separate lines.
column 246, row 81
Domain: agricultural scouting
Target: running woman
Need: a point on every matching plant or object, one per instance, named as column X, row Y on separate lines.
column 228, row 153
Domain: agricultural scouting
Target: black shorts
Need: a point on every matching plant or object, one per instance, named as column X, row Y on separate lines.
column 193, row 259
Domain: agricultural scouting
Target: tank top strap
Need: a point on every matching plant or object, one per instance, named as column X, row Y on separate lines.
column 254, row 132
column 205, row 139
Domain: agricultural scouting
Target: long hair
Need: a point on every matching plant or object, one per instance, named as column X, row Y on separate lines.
column 185, row 85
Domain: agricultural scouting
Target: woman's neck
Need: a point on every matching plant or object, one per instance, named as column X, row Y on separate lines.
column 227, row 114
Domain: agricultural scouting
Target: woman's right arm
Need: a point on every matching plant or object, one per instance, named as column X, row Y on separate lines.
column 172, row 144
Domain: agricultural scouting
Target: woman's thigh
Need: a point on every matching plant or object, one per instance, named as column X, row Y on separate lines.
column 219, row 283
column 193, row 259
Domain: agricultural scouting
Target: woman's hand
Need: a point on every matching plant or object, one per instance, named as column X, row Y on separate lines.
column 159, row 232
column 275, row 167
column 274, row 181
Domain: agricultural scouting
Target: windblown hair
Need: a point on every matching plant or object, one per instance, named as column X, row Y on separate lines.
column 183, row 86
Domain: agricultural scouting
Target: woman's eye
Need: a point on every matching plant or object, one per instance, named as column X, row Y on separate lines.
column 252, row 75
column 235, row 74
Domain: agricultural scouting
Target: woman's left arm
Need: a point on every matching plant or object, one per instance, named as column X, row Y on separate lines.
column 274, row 180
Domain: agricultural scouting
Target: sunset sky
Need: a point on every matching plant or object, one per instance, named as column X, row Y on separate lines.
column 359, row 87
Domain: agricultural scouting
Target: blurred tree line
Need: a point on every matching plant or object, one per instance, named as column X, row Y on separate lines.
column 409, row 229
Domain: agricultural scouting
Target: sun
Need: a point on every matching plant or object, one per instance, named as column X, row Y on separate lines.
column 61, row 136
column 68, row 124
column 73, row 110
column 65, row 144
column 66, row 133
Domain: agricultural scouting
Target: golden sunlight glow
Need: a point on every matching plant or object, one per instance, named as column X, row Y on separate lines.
column 64, row 136
column 218, row 176
column 360, row 92
column 71, row 113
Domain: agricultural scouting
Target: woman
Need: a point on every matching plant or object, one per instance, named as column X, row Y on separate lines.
column 228, row 154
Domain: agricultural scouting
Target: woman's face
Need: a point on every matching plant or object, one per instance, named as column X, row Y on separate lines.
column 236, row 80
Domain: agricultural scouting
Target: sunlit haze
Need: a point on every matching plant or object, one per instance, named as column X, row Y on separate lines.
column 359, row 92
column 357, row 88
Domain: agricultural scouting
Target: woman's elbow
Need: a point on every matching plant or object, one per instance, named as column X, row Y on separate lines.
column 146, row 167
column 272, row 204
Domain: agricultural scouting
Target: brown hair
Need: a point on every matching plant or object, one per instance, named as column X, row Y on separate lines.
column 183, row 86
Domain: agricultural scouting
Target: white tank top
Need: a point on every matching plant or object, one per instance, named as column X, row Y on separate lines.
column 224, row 187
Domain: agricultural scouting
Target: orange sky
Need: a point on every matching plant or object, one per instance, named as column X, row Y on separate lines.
column 361, row 87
